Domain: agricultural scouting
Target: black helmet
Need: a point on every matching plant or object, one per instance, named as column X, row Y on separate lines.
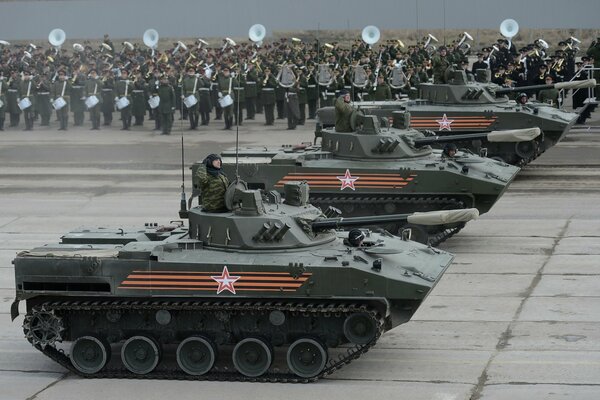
column 355, row 237
column 450, row 147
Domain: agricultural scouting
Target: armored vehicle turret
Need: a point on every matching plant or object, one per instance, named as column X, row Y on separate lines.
column 266, row 291
column 379, row 170
column 466, row 106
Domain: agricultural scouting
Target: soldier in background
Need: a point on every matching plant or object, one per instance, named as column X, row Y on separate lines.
column 42, row 99
column 166, row 93
column 479, row 64
column 62, row 89
column 27, row 91
column 138, row 98
column 280, row 101
column 93, row 87
column 123, row 89
column 12, row 94
column 2, row 101
column 108, row 84
column 267, row 95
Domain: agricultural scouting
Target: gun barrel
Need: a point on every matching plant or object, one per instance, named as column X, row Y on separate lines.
column 449, row 138
column 587, row 83
column 425, row 218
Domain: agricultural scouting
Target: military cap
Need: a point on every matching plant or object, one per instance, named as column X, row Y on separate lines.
column 479, row 54
column 562, row 43
column 501, row 67
column 579, row 63
column 585, row 59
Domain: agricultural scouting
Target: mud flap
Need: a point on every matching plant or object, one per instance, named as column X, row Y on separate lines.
column 14, row 310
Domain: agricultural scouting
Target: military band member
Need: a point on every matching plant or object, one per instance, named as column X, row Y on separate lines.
column 62, row 89
column 42, row 99
column 302, row 85
column 312, row 91
column 225, row 82
column 280, row 101
column 12, row 94
column 77, row 97
column 93, row 87
column 138, row 98
column 154, row 85
column 166, row 93
column 190, row 86
column 239, row 83
column 267, row 95
column 204, row 102
column 27, row 91
column 251, row 91
column 108, row 84
column 124, row 88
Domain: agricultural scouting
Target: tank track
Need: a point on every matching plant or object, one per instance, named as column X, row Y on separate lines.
column 406, row 204
column 217, row 373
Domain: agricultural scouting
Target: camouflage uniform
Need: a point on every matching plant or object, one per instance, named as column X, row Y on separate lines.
column 343, row 112
column 212, row 190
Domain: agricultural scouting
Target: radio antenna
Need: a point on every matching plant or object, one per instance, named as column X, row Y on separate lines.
column 182, row 203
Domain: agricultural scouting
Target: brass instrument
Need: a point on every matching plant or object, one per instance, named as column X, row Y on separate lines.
column 191, row 57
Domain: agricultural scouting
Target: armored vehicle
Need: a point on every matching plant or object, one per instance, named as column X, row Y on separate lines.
column 467, row 106
column 264, row 292
column 380, row 170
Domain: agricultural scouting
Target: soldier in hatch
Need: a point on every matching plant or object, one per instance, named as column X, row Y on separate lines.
column 213, row 184
column 343, row 112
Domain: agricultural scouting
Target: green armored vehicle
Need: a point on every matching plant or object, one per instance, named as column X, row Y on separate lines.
column 267, row 291
column 466, row 106
column 380, row 170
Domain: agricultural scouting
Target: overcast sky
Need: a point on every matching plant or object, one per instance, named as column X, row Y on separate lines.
column 26, row 19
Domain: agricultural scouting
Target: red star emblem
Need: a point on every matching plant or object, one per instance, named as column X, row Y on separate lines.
column 444, row 123
column 225, row 281
column 347, row 180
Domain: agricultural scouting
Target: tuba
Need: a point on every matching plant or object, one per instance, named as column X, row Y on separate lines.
column 370, row 34
column 180, row 45
column 56, row 38
column 257, row 33
column 151, row 39
column 78, row 47
column 463, row 46
column 429, row 47
column 509, row 29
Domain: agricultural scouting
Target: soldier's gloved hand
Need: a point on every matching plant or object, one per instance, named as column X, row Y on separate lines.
column 172, row 108
column 18, row 99
column 83, row 98
column 182, row 96
column 220, row 94
column 116, row 98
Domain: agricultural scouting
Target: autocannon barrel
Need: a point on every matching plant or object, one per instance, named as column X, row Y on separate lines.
column 424, row 218
column 513, row 135
column 588, row 83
